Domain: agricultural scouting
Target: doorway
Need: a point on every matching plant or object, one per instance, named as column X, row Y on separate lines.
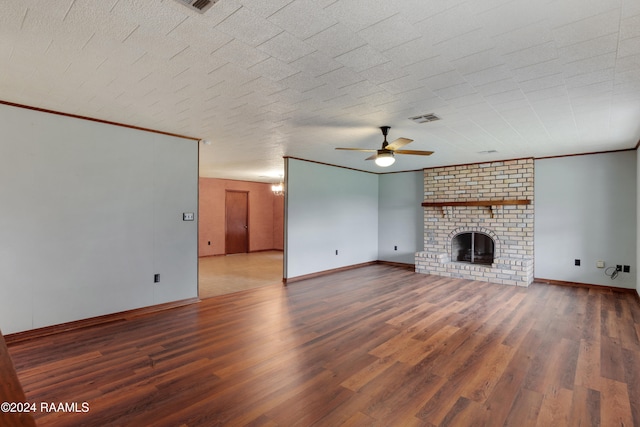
column 237, row 222
column 241, row 236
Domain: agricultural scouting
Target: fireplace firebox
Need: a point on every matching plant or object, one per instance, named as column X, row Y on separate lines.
column 472, row 247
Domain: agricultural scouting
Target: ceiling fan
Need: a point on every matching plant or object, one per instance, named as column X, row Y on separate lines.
column 385, row 156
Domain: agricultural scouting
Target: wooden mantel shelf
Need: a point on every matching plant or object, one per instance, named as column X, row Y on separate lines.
column 479, row 203
column 484, row 203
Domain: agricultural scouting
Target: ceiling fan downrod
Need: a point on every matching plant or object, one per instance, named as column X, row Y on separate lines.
column 385, row 131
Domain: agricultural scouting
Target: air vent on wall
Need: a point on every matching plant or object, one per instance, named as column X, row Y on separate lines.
column 198, row 5
column 424, row 118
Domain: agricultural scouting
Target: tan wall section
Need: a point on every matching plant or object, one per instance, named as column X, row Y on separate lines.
column 265, row 215
column 278, row 223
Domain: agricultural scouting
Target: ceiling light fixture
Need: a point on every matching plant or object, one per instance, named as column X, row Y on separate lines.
column 385, row 158
column 278, row 189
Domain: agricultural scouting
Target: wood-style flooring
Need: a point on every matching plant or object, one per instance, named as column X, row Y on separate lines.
column 11, row 393
column 373, row 346
column 219, row 275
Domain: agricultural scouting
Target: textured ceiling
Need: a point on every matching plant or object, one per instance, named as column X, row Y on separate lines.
column 266, row 79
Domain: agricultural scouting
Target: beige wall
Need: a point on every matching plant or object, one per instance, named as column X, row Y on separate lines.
column 278, row 223
column 266, row 213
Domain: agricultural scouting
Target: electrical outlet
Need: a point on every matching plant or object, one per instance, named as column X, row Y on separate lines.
column 626, row 269
column 395, row 248
column 336, row 252
column 187, row 216
column 209, row 243
column 600, row 264
column 618, row 267
column 576, row 262
column 156, row 278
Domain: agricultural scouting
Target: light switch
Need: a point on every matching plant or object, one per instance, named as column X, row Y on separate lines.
column 187, row 216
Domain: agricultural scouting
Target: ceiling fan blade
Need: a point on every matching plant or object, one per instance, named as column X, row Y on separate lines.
column 372, row 157
column 414, row 152
column 369, row 150
column 398, row 143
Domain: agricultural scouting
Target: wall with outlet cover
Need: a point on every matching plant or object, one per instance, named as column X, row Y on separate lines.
column 90, row 213
column 328, row 209
column 401, row 216
column 585, row 208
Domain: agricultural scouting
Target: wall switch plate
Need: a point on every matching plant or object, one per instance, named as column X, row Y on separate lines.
column 576, row 262
column 156, row 278
column 618, row 267
column 626, row 269
column 600, row 264
column 187, row 216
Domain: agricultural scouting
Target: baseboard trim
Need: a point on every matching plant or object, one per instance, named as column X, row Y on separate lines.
column 404, row 265
column 584, row 285
column 288, row 280
column 93, row 321
column 345, row 268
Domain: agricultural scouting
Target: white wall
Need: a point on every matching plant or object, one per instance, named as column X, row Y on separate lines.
column 88, row 213
column 637, row 217
column 401, row 216
column 585, row 208
column 328, row 209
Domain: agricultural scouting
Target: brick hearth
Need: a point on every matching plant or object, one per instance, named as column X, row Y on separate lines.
column 510, row 226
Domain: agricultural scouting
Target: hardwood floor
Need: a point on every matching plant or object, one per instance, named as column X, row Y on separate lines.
column 219, row 275
column 374, row 346
column 11, row 393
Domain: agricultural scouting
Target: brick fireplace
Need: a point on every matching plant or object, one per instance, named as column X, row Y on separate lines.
column 493, row 204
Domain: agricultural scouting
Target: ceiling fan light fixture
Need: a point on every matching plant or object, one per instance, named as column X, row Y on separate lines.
column 385, row 156
column 385, row 159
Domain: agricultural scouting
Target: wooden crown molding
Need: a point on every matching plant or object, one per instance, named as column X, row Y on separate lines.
column 93, row 119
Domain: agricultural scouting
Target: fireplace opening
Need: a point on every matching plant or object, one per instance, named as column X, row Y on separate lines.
column 472, row 247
